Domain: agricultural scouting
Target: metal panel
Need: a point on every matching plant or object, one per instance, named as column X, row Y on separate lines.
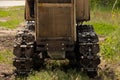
column 55, row 21
column 29, row 10
column 55, row 1
column 82, row 10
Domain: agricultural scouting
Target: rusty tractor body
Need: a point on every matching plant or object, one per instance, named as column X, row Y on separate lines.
column 55, row 30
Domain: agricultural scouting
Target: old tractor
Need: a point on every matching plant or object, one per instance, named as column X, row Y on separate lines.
column 55, row 30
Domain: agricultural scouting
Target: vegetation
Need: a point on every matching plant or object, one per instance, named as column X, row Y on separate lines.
column 11, row 17
column 6, row 57
column 107, row 25
column 110, row 49
column 111, row 4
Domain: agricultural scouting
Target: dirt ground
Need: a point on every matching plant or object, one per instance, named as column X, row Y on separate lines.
column 6, row 43
column 7, row 37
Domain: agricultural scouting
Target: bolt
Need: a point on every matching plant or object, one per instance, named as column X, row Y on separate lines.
column 47, row 44
column 62, row 48
column 82, row 57
column 63, row 44
column 90, row 50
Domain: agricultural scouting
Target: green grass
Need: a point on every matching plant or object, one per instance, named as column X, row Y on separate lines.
column 13, row 16
column 104, row 22
column 6, row 57
column 103, row 28
column 110, row 49
column 58, row 75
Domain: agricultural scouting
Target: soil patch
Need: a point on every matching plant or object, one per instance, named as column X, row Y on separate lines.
column 6, row 42
column 102, row 38
column 5, row 70
column 7, row 37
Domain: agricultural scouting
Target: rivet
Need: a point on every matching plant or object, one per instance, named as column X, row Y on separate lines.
column 47, row 44
column 82, row 57
column 63, row 44
column 62, row 48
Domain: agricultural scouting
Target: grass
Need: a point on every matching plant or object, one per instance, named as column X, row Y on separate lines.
column 110, row 49
column 58, row 75
column 107, row 23
column 6, row 57
column 12, row 17
column 104, row 22
column 103, row 28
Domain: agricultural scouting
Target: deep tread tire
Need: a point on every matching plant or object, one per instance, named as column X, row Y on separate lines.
column 87, row 49
column 23, row 51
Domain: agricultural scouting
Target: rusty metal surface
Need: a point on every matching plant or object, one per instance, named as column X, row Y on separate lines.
column 28, row 11
column 54, row 1
column 55, row 20
column 82, row 10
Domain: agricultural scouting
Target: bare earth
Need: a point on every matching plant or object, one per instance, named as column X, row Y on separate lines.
column 6, row 42
column 7, row 37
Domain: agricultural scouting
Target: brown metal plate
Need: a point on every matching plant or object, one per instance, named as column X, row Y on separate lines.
column 55, row 21
column 54, row 1
column 82, row 10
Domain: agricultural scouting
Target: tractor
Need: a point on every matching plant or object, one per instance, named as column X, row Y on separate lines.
column 55, row 30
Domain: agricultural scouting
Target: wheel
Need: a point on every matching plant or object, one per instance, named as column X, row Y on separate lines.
column 23, row 66
column 23, row 51
column 31, row 25
column 87, row 48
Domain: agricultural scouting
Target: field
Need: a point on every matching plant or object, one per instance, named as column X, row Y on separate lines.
column 106, row 24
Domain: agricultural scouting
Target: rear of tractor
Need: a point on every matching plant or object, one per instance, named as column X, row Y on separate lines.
column 55, row 30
